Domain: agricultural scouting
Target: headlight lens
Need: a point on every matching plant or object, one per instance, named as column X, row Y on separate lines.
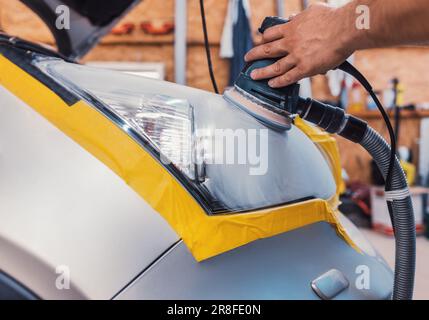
column 164, row 121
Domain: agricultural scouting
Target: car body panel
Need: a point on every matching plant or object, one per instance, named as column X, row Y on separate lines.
column 128, row 155
column 60, row 206
column 66, row 215
column 281, row 267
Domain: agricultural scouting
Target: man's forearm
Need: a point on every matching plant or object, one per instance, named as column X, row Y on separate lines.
column 391, row 22
column 321, row 37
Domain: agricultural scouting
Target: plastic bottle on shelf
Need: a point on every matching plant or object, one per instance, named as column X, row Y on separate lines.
column 357, row 99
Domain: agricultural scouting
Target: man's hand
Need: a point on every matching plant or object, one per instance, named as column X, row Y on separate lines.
column 313, row 42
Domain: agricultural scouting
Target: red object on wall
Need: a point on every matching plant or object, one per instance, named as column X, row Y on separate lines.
column 152, row 28
column 124, row 28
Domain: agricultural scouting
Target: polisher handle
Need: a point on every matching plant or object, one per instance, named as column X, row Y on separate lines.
column 271, row 22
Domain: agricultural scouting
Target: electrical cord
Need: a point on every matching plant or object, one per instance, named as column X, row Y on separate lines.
column 350, row 69
column 207, row 47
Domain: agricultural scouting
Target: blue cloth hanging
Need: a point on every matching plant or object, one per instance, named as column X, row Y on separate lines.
column 236, row 37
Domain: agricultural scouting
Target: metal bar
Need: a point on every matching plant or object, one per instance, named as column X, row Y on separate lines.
column 281, row 11
column 305, row 4
column 180, row 48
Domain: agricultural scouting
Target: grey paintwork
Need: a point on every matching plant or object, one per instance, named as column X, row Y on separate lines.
column 291, row 167
column 61, row 206
column 281, row 267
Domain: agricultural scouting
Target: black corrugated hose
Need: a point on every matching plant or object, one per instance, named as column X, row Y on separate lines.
column 334, row 120
column 403, row 216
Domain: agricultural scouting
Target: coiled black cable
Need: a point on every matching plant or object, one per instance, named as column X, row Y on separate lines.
column 207, row 47
column 350, row 69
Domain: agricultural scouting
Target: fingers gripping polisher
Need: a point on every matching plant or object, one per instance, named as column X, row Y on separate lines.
column 273, row 107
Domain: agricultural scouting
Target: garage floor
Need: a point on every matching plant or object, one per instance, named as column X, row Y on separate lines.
column 386, row 246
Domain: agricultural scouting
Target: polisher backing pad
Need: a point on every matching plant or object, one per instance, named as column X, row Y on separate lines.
column 258, row 109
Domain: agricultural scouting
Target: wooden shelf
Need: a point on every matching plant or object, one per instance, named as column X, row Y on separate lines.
column 356, row 161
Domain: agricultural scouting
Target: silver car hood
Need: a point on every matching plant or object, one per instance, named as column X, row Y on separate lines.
column 62, row 210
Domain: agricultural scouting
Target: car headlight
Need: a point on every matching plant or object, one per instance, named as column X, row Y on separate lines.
column 226, row 159
column 165, row 122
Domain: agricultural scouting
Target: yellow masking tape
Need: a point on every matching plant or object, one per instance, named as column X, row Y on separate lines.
column 205, row 236
column 329, row 146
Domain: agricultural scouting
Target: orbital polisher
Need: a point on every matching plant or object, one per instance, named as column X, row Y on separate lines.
column 275, row 107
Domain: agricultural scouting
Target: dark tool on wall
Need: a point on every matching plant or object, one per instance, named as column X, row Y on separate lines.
column 395, row 83
column 276, row 108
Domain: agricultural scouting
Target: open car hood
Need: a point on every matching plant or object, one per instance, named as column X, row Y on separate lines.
column 89, row 21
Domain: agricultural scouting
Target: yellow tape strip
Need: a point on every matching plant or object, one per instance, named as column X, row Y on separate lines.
column 329, row 146
column 205, row 236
